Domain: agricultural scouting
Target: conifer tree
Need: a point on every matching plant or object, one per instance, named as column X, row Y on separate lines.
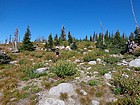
column 106, row 36
column 70, row 39
column 137, row 35
column 26, row 43
column 50, row 41
column 86, row 38
column 91, row 38
column 63, row 35
column 131, row 37
column 46, row 46
column 56, row 40
column 117, row 38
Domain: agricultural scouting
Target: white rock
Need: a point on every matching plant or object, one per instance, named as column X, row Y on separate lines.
column 83, row 92
column 50, row 60
column 106, row 50
column 77, row 61
column 68, row 48
column 94, row 102
column 84, row 53
column 89, row 50
column 98, row 60
column 13, row 62
column 85, row 48
column 53, row 101
column 107, row 76
column 95, row 72
column 61, row 47
column 62, row 88
column 41, row 70
column 135, row 63
column 125, row 75
column 123, row 61
column 31, row 59
column 88, row 68
column 92, row 63
column 82, row 63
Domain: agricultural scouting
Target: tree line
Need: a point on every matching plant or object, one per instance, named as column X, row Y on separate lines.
column 111, row 40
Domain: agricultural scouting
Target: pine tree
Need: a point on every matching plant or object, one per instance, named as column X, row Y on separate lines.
column 91, row 38
column 70, row 39
column 117, row 38
column 26, row 43
column 86, row 38
column 56, row 40
column 50, row 41
column 131, row 37
column 46, row 46
column 106, row 36
column 63, row 35
column 137, row 35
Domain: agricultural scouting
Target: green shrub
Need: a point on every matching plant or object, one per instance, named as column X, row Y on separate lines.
column 92, row 83
column 29, row 72
column 102, row 72
column 63, row 68
column 23, row 61
column 112, row 60
column 128, row 87
column 137, row 52
column 89, row 57
column 4, row 59
column 137, row 68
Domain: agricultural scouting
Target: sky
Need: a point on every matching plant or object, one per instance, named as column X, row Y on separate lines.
column 80, row 17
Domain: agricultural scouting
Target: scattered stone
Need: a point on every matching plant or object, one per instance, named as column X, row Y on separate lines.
column 95, row 72
column 85, row 48
column 84, row 53
column 107, row 76
column 68, row 48
column 89, row 50
column 13, row 62
column 125, row 75
column 50, row 60
column 53, row 101
column 94, row 102
column 81, row 63
column 112, row 99
column 12, row 99
column 62, row 88
column 135, row 63
column 77, row 61
column 83, row 92
column 41, row 70
column 92, row 63
column 88, row 68
column 106, row 50
column 98, row 60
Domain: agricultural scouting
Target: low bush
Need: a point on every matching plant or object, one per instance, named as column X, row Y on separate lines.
column 112, row 60
column 29, row 72
column 137, row 52
column 128, row 87
column 92, row 83
column 63, row 69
